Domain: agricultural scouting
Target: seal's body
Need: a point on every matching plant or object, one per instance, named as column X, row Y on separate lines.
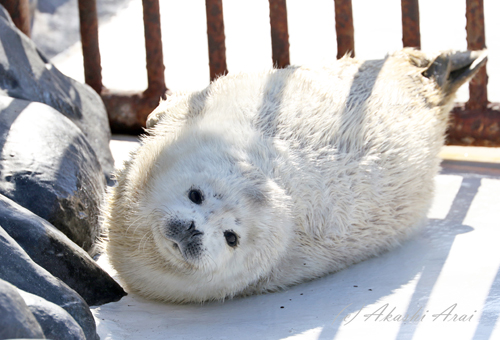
column 262, row 181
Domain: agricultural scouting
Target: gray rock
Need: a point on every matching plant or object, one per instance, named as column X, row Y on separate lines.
column 26, row 74
column 56, row 323
column 49, row 168
column 18, row 269
column 16, row 319
column 52, row 250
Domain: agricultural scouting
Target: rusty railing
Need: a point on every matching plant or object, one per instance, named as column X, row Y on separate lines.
column 476, row 122
column 127, row 111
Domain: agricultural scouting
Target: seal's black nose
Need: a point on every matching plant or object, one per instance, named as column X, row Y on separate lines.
column 193, row 230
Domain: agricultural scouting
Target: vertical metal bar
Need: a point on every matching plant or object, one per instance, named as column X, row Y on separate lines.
column 476, row 41
column 411, row 23
column 279, row 33
column 20, row 13
column 216, row 38
column 344, row 27
column 154, row 48
column 90, row 43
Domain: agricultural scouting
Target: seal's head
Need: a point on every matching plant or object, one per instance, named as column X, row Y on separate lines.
column 197, row 221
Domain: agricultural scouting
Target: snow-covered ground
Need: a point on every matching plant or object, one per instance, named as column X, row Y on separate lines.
column 446, row 281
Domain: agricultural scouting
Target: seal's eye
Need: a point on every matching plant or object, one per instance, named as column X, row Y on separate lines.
column 231, row 238
column 195, row 196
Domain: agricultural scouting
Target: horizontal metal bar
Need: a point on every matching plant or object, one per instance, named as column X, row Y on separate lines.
column 478, row 127
column 128, row 111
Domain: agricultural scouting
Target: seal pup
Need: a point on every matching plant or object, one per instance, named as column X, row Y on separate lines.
column 266, row 180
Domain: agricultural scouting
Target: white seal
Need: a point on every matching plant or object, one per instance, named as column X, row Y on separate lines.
column 262, row 181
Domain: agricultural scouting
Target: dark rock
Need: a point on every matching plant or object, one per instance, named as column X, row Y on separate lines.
column 52, row 250
column 18, row 269
column 56, row 323
column 26, row 74
column 16, row 320
column 48, row 167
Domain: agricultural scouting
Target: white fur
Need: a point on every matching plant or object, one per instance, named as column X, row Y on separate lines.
column 314, row 169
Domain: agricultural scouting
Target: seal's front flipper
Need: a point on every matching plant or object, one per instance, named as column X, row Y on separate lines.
column 450, row 70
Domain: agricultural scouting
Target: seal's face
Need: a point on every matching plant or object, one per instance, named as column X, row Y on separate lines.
column 208, row 222
column 202, row 218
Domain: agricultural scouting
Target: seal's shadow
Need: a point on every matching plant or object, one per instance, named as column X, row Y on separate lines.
column 424, row 256
column 323, row 303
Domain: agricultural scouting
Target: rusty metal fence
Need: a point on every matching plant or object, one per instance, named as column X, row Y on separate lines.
column 476, row 122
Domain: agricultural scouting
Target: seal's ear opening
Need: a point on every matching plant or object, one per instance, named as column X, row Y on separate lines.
column 450, row 70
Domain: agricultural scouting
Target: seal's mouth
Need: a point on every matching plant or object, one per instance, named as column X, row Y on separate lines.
column 186, row 250
column 176, row 251
column 184, row 240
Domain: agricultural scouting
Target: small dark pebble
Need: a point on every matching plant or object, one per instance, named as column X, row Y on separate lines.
column 356, row 286
column 282, row 307
column 370, row 289
column 301, row 293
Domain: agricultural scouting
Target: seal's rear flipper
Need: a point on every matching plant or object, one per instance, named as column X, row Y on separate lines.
column 450, row 70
